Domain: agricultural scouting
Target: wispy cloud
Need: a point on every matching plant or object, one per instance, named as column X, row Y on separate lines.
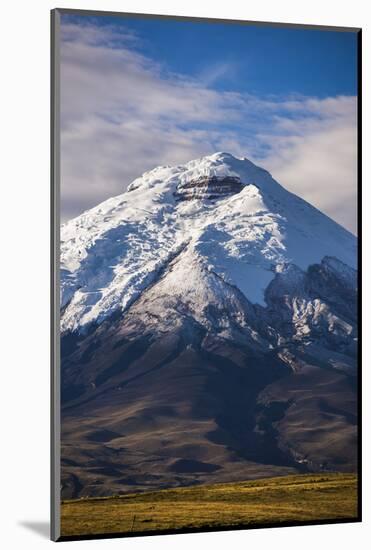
column 223, row 70
column 123, row 113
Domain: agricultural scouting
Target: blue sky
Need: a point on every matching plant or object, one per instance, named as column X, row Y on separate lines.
column 262, row 60
column 141, row 92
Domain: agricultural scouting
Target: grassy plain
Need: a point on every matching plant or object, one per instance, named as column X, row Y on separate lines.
column 278, row 500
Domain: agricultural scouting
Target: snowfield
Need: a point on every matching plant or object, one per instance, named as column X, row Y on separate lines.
column 113, row 252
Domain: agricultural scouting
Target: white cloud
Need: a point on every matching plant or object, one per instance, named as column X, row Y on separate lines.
column 316, row 157
column 123, row 114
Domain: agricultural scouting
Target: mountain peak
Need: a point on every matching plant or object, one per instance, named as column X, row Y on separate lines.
column 217, row 165
column 221, row 155
column 226, row 212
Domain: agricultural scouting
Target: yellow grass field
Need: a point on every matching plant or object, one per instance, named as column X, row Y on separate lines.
column 279, row 500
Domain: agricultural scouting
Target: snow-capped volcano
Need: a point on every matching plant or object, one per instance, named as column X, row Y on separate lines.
column 209, row 334
column 225, row 215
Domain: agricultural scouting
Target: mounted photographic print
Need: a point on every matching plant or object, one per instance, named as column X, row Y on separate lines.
column 205, row 365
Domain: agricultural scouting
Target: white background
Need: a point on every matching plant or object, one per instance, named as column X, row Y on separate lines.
column 24, row 286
